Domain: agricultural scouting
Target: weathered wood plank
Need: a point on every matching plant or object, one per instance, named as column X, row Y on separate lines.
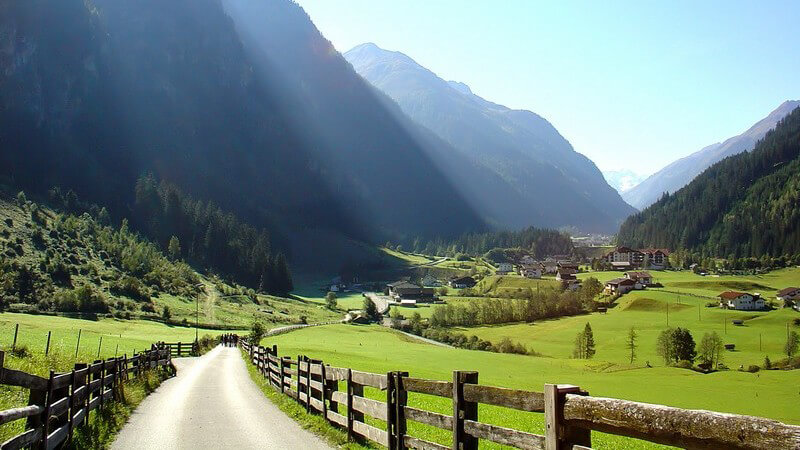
column 23, row 440
column 369, row 379
column 431, row 387
column 59, row 407
column 371, row 433
column 429, row 418
column 335, row 373
column 504, row 436
column 94, row 403
column 11, row 415
column 337, row 418
column 290, row 392
column 316, row 385
column 77, row 418
column 316, row 369
column 289, row 371
column 695, row 429
column 303, row 366
column 339, row 397
column 275, row 378
column 509, row 398
column 370, row 407
column 302, row 397
column 288, row 381
column 273, row 358
column 317, row 404
column 58, row 436
column 62, row 380
column 421, row 444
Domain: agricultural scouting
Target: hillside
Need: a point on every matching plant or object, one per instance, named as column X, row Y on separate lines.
column 681, row 172
column 60, row 263
column 277, row 127
column 745, row 205
column 533, row 176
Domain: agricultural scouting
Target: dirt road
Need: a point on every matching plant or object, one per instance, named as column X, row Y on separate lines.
column 212, row 404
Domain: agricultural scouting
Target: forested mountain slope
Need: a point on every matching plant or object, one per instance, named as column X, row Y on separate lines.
column 745, row 205
column 540, row 178
column 287, row 136
column 681, row 172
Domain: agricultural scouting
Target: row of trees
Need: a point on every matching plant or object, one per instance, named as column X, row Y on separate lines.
column 208, row 236
column 537, row 241
column 485, row 311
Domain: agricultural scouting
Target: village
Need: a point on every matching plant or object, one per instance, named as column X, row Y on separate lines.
column 632, row 270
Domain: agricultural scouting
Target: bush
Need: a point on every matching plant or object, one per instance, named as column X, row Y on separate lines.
column 148, row 308
column 131, row 287
column 21, row 351
column 84, row 299
column 752, row 368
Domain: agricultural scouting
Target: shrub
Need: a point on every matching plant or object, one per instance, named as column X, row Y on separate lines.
column 131, row 287
column 148, row 308
column 753, row 368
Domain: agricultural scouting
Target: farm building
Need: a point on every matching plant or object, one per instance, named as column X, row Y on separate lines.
column 462, row 282
column 549, row 267
column 571, row 285
column 643, row 278
column 565, row 275
column 621, row 286
column 531, row 271
column 430, row 281
column 741, row 301
column 622, row 258
column 504, row 268
column 403, row 290
column 789, row 296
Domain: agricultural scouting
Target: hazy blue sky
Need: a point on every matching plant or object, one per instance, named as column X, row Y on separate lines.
column 631, row 85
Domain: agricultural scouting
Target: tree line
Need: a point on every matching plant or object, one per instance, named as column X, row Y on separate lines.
column 207, row 236
column 538, row 242
column 742, row 206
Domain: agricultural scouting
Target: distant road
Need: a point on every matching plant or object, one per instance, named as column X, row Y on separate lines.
column 212, row 404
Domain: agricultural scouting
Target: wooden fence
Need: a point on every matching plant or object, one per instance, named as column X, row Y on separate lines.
column 182, row 348
column 570, row 413
column 61, row 402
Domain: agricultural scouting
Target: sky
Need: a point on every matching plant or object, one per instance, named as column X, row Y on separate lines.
column 632, row 85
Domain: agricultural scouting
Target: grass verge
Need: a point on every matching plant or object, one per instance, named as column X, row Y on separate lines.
column 104, row 425
column 311, row 422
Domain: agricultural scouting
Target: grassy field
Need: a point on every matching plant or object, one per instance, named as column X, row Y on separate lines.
column 129, row 335
column 681, row 302
column 771, row 394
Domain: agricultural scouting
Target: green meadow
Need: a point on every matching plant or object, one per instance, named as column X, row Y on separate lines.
column 771, row 394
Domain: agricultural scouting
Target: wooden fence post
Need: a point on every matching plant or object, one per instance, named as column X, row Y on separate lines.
column 299, row 358
column 324, row 393
column 400, row 401
column 391, row 409
column 350, row 413
column 331, row 387
column 47, row 347
column 308, row 383
column 463, row 410
column 559, row 435
column 14, row 344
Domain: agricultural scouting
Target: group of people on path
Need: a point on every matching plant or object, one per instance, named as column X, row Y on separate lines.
column 229, row 340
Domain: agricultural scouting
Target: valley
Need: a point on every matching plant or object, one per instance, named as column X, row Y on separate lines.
column 223, row 172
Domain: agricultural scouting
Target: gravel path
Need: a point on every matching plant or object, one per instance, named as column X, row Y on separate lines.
column 212, row 403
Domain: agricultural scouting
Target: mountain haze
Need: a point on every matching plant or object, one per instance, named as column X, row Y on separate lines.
column 537, row 176
column 743, row 206
column 242, row 103
column 681, row 172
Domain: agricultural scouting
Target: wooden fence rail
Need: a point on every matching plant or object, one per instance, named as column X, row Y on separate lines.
column 61, row 402
column 570, row 413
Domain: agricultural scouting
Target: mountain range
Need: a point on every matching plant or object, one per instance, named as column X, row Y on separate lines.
column 623, row 180
column 681, row 172
column 241, row 103
column 522, row 170
column 743, row 206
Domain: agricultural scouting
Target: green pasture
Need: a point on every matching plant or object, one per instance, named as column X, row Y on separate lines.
column 649, row 312
column 771, row 394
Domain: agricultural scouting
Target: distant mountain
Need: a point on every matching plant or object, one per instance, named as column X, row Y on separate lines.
column 242, row 103
column 528, row 174
column 623, row 180
column 743, row 206
column 681, row 172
